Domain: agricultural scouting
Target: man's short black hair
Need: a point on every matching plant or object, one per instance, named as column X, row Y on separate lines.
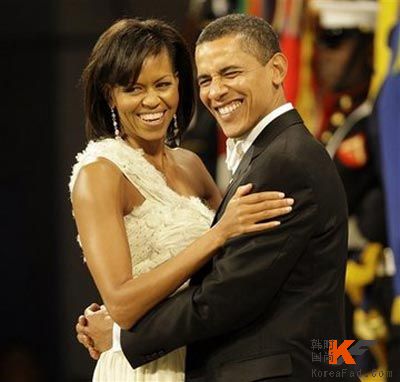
column 258, row 37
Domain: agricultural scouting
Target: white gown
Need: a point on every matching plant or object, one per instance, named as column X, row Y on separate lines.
column 161, row 227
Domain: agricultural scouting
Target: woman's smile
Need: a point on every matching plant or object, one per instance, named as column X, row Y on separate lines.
column 152, row 118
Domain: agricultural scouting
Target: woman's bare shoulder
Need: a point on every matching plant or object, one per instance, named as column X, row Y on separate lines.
column 186, row 157
column 97, row 178
column 199, row 176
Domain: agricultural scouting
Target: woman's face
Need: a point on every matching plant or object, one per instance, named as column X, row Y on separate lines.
column 146, row 109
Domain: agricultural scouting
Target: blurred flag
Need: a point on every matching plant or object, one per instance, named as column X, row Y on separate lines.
column 242, row 6
column 255, row 8
column 389, row 132
column 287, row 21
column 386, row 19
column 305, row 100
column 260, row 8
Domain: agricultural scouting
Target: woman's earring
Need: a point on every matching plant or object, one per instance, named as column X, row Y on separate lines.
column 114, row 121
column 176, row 128
column 176, row 131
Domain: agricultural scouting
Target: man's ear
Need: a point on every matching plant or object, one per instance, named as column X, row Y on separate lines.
column 279, row 65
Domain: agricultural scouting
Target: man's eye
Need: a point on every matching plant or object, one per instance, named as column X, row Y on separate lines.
column 204, row 82
column 231, row 74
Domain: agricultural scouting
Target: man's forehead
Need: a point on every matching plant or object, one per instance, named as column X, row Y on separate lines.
column 232, row 38
column 218, row 52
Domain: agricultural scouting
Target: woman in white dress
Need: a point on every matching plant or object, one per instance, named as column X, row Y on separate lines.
column 143, row 209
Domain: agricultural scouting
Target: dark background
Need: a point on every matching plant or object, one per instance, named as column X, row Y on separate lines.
column 44, row 283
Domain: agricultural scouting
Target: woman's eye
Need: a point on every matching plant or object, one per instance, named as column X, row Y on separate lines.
column 163, row 85
column 133, row 90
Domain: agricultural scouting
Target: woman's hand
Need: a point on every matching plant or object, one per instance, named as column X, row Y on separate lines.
column 94, row 330
column 245, row 211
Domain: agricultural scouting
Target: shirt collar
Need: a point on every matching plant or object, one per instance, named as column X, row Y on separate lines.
column 242, row 144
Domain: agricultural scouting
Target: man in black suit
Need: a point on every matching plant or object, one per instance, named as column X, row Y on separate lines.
column 253, row 313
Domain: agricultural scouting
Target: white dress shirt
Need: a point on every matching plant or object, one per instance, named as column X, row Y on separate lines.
column 237, row 147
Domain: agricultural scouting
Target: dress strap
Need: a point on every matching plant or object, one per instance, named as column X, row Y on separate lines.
column 130, row 161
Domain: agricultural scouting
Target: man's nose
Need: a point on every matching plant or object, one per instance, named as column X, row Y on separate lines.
column 151, row 100
column 217, row 88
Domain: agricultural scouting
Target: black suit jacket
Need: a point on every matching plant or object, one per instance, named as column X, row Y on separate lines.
column 253, row 312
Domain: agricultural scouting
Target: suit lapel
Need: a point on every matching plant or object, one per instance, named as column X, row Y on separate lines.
column 240, row 173
column 261, row 143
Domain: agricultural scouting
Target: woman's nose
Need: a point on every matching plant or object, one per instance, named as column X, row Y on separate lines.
column 151, row 100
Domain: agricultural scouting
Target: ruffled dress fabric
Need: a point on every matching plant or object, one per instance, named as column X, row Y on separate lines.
column 162, row 226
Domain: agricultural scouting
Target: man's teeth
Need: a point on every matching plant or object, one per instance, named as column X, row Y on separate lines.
column 148, row 117
column 229, row 108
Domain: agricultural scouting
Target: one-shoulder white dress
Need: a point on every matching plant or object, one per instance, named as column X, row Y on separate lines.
column 161, row 227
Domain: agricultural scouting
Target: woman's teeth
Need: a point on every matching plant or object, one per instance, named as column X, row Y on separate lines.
column 151, row 117
column 224, row 110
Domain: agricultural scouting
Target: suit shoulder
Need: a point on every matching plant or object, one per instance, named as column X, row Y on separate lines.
column 297, row 155
column 296, row 160
column 297, row 146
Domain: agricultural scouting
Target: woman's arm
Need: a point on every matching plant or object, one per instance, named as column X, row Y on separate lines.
column 99, row 201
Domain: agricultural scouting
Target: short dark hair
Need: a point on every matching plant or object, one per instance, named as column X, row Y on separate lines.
column 258, row 37
column 117, row 59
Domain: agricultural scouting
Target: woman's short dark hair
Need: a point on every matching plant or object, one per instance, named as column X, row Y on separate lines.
column 117, row 59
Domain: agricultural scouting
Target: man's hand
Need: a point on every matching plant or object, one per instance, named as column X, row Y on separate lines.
column 94, row 330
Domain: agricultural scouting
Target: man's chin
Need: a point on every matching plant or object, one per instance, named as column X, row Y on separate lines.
column 232, row 131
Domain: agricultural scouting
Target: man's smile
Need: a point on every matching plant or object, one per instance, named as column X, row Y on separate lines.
column 228, row 109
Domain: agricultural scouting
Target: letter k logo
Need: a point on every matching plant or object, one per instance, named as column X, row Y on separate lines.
column 336, row 351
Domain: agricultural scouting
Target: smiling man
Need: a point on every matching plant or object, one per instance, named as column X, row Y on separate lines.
column 253, row 313
column 232, row 82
